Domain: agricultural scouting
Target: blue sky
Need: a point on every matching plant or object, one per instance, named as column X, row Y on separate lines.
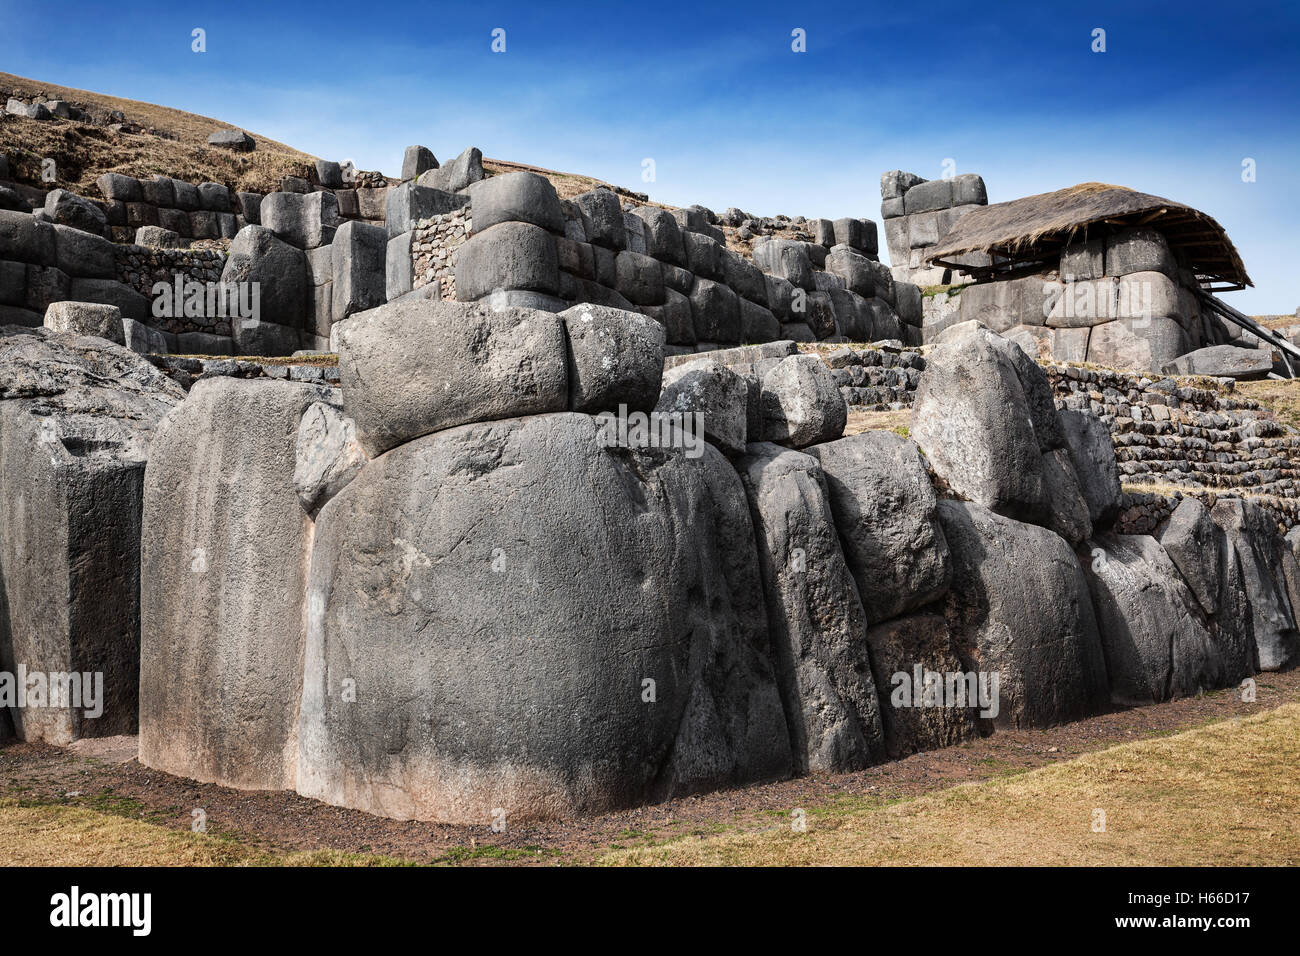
column 731, row 116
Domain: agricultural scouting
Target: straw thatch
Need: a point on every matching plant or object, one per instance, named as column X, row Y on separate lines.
column 1038, row 227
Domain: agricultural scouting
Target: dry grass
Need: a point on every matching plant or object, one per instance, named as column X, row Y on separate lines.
column 51, row 835
column 892, row 421
column 1224, row 794
column 83, row 151
column 1281, row 397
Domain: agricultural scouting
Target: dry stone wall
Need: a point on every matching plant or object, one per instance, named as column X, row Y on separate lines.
column 524, row 246
column 203, row 211
column 1122, row 301
column 772, row 577
column 917, row 213
column 1168, row 432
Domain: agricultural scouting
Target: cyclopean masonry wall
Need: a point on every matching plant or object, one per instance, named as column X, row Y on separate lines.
column 205, row 211
column 511, row 238
column 917, row 212
column 1124, row 301
column 819, row 567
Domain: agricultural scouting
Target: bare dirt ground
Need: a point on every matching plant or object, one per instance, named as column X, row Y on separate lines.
column 104, row 776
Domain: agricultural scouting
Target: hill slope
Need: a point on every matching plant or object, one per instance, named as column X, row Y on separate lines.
column 168, row 141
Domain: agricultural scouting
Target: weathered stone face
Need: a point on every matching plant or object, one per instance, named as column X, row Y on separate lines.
column 500, row 654
column 985, row 419
column 1022, row 608
column 1269, row 578
column 417, row 366
column 801, row 404
column 911, row 723
column 1156, row 642
column 885, row 510
column 223, row 562
column 77, row 418
column 817, row 622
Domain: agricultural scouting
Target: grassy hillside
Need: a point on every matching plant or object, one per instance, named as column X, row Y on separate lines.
column 84, row 151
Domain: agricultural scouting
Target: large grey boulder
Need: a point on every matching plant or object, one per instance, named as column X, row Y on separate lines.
column 715, row 394
column 358, row 256
column 84, row 254
column 786, row 259
column 516, row 197
column 854, row 268
column 602, row 217
column 614, row 358
column 280, row 270
column 508, row 256
column 1093, row 453
column 215, row 197
column 418, row 366
column 145, row 339
column 232, row 139
column 1195, row 545
column 912, row 723
column 985, row 418
column 1269, row 577
column 507, row 679
column 461, row 173
column 663, row 236
column 157, row 237
column 816, row 618
column 1223, row 361
column 77, row 419
column 639, row 277
column 223, row 563
column 1022, row 608
column 417, row 160
column 1139, row 250
column 715, row 311
column 757, row 323
column 69, row 209
column 1142, row 344
column 304, row 220
column 887, row 515
column 115, row 186
column 329, row 173
column 1156, row 643
column 801, row 403
column 23, row 238
column 86, row 318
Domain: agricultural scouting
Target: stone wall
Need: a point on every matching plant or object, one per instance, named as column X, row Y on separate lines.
column 41, row 263
column 917, row 213
column 1175, row 432
column 877, row 379
column 371, row 524
column 1123, row 301
column 435, row 242
column 141, row 266
column 527, row 247
column 205, row 211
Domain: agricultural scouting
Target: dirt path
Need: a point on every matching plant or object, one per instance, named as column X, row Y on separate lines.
column 103, row 775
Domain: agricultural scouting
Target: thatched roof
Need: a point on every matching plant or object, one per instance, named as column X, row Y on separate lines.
column 1038, row 227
